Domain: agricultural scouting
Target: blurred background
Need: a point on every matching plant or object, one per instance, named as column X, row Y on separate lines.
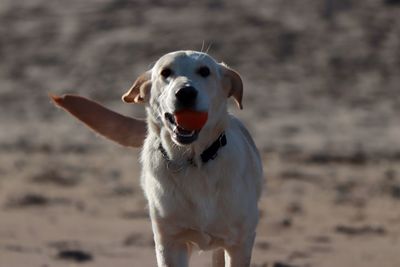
column 321, row 99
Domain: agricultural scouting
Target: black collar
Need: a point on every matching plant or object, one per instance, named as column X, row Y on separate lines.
column 209, row 154
column 212, row 151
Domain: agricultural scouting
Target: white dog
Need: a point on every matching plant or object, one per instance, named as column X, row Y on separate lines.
column 202, row 185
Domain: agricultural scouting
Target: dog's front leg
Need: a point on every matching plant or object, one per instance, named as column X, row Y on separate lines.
column 172, row 254
column 240, row 255
column 169, row 251
column 218, row 258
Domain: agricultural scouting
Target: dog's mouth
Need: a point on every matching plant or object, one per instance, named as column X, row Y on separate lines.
column 180, row 134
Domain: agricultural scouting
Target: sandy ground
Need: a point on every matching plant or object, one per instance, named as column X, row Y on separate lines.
column 321, row 99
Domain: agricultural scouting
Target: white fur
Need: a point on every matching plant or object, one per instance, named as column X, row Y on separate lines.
column 211, row 205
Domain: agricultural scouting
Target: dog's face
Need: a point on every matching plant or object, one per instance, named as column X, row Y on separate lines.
column 185, row 80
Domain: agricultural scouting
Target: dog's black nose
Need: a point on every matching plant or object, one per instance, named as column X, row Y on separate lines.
column 186, row 96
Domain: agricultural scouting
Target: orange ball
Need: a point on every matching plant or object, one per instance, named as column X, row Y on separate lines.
column 191, row 120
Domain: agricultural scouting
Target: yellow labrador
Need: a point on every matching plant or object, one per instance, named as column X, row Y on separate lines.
column 202, row 185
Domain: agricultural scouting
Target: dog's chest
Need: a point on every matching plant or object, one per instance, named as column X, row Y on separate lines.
column 196, row 193
column 196, row 198
column 197, row 204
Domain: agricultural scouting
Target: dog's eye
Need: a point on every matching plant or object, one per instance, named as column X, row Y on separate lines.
column 166, row 73
column 204, row 72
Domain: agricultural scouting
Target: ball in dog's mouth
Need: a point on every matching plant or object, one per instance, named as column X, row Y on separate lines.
column 186, row 125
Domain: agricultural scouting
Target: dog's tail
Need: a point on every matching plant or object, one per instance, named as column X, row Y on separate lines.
column 124, row 130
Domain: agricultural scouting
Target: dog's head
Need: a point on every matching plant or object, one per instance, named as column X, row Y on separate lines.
column 189, row 81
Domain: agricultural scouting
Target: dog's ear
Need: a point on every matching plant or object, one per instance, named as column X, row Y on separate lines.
column 232, row 84
column 140, row 90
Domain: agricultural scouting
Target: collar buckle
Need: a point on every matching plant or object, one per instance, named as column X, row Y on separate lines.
column 222, row 139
